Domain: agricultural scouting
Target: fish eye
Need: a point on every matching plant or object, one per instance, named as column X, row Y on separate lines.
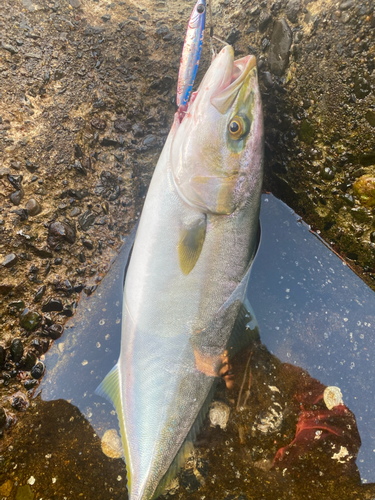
column 200, row 9
column 236, row 128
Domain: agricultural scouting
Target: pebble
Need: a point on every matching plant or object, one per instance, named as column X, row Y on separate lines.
column 52, row 305
column 346, row 5
column 19, row 401
column 74, row 212
column 162, row 30
column 108, row 141
column 281, row 41
column 233, row 36
column 15, row 180
column 5, row 288
column 345, row 18
column 16, row 350
column 9, row 48
column 54, row 331
column 60, row 231
column 3, row 417
column 2, row 355
column 33, row 207
column 138, row 130
column 30, row 384
column 79, row 168
column 17, row 304
column 37, row 370
column 122, row 125
column 31, row 167
column 4, row 171
column 39, row 294
column 267, row 79
column 22, row 212
column 30, row 360
column 370, row 117
column 348, row 199
column 88, row 244
column 292, row 9
column 30, row 319
column 86, row 220
column 149, row 141
column 264, row 19
column 16, row 197
column 10, row 260
column 98, row 123
column 362, row 87
column 327, row 173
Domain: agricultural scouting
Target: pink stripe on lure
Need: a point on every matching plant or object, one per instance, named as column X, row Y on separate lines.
column 191, row 52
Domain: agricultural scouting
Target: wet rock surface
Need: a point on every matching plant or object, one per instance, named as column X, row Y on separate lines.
column 87, row 99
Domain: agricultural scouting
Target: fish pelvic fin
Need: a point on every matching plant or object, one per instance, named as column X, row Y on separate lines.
column 109, row 389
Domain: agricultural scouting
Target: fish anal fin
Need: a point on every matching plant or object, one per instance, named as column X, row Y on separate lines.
column 190, row 245
column 109, row 389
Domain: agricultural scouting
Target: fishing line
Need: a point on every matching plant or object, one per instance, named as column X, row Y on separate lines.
column 220, row 40
column 211, row 29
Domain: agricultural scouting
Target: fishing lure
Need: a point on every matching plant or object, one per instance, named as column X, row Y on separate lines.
column 191, row 52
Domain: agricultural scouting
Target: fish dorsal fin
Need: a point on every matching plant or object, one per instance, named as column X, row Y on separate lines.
column 109, row 389
column 190, row 245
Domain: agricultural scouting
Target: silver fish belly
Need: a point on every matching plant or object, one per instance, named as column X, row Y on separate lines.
column 188, row 272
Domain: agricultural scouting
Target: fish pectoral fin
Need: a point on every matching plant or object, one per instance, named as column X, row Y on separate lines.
column 190, row 245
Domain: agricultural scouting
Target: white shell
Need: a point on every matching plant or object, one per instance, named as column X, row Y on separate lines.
column 332, row 397
column 219, row 414
column 111, row 444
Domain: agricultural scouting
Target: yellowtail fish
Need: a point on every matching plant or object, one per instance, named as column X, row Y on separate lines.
column 188, row 272
column 191, row 52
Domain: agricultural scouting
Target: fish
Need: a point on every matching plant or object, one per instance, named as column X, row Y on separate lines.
column 188, row 271
column 191, row 53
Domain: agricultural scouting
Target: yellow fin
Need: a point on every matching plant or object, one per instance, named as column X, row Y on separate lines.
column 191, row 244
column 110, row 390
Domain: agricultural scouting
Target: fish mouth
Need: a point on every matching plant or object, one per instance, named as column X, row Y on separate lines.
column 234, row 75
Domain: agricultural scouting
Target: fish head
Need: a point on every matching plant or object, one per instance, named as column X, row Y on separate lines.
column 217, row 149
